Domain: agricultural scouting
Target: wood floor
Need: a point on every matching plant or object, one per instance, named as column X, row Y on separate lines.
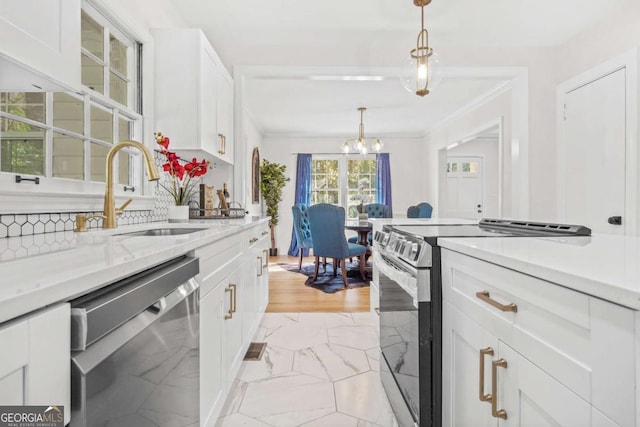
column 288, row 294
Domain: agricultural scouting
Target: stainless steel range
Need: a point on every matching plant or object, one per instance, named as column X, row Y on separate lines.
column 408, row 260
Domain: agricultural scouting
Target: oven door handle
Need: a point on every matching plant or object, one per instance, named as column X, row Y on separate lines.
column 87, row 360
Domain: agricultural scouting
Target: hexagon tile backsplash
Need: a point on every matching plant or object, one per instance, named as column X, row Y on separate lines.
column 27, row 224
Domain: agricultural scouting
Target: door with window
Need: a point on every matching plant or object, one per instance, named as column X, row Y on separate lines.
column 465, row 185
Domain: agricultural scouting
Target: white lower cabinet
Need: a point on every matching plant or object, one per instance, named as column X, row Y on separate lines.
column 462, row 379
column 487, row 383
column 35, row 364
column 521, row 351
column 231, row 307
column 212, row 337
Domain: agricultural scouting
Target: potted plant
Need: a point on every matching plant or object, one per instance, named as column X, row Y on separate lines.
column 272, row 181
column 181, row 184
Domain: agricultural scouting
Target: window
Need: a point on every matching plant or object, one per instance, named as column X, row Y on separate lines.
column 107, row 59
column 324, row 181
column 341, row 181
column 69, row 140
column 68, row 135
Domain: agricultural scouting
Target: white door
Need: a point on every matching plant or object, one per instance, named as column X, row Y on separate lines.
column 465, row 184
column 594, row 138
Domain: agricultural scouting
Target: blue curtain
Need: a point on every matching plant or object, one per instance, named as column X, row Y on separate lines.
column 303, row 195
column 383, row 178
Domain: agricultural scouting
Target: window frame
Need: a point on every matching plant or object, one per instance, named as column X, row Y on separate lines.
column 343, row 189
column 70, row 195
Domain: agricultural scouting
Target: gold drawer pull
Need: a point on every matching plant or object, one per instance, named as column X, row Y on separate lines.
column 266, row 258
column 229, row 314
column 260, row 263
column 221, row 150
column 253, row 240
column 494, row 389
column 377, row 310
column 484, row 296
column 484, row 352
column 235, row 296
column 264, row 233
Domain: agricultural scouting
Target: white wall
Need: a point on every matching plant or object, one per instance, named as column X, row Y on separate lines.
column 612, row 36
column 407, row 158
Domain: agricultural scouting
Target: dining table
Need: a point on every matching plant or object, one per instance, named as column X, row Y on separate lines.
column 363, row 228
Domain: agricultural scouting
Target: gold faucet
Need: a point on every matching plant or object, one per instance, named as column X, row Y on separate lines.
column 110, row 211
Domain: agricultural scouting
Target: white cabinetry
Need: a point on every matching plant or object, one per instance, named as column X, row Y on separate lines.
column 193, row 95
column 35, row 364
column 41, row 44
column 256, row 279
column 230, row 310
column 544, row 353
column 225, row 114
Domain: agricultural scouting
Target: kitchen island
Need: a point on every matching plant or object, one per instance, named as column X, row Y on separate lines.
column 541, row 331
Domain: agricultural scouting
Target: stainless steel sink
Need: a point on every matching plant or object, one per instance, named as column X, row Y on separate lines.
column 161, row 232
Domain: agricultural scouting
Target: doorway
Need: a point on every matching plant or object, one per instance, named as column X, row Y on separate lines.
column 471, row 176
column 596, row 160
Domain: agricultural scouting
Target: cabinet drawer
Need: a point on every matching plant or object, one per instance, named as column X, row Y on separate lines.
column 214, row 256
column 562, row 331
column 257, row 236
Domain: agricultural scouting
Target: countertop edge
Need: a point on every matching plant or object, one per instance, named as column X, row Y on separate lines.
column 64, row 290
column 596, row 288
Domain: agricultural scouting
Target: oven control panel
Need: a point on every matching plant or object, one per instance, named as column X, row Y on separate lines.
column 408, row 248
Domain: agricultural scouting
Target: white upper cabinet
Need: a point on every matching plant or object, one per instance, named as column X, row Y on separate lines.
column 40, row 46
column 225, row 113
column 193, row 95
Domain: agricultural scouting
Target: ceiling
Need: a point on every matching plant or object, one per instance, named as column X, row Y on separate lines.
column 370, row 34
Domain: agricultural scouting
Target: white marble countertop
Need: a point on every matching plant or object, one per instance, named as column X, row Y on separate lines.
column 49, row 268
column 605, row 266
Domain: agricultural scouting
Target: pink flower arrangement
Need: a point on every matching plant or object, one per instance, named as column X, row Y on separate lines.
column 181, row 187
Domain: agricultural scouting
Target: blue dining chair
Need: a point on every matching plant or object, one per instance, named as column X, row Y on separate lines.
column 327, row 231
column 301, row 229
column 373, row 210
column 421, row 210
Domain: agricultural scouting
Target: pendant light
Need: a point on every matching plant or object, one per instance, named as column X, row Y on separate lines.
column 361, row 144
column 422, row 71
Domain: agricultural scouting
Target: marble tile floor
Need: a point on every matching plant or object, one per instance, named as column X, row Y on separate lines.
column 319, row 370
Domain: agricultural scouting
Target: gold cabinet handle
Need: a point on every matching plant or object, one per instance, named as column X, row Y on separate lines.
column 494, row 389
column 265, row 232
column 224, row 144
column 483, row 352
column 377, row 310
column 260, row 259
column 266, row 258
column 484, row 296
column 235, row 296
column 229, row 314
column 221, row 149
column 253, row 240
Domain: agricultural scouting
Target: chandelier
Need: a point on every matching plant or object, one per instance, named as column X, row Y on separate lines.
column 361, row 144
column 423, row 67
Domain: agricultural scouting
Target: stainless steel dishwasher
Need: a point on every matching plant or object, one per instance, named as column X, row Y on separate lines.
column 135, row 350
